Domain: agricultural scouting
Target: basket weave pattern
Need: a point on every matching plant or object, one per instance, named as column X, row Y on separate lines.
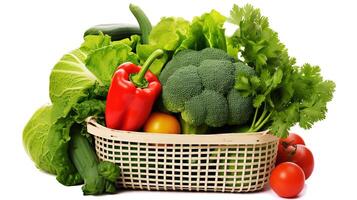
column 219, row 163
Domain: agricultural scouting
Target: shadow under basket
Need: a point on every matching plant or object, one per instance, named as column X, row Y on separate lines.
column 229, row 162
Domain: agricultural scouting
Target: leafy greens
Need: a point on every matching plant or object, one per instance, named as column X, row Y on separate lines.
column 176, row 34
column 284, row 94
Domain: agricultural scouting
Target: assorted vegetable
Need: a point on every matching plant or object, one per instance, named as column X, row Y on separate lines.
column 194, row 79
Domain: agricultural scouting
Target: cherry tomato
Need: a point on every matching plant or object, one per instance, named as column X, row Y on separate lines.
column 284, row 143
column 162, row 123
column 287, row 180
column 302, row 156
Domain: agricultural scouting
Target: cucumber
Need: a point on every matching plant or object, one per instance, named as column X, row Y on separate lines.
column 86, row 162
column 143, row 22
column 115, row 31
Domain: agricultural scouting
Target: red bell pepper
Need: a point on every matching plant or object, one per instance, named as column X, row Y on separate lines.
column 131, row 95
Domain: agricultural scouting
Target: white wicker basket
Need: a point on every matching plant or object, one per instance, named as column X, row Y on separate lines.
column 231, row 162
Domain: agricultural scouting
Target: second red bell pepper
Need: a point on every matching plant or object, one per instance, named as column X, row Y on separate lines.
column 131, row 95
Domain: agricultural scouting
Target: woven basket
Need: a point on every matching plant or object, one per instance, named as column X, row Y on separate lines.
column 229, row 162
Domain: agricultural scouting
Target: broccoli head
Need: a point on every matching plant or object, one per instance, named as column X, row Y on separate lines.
column 191, row 57
column 199, row 86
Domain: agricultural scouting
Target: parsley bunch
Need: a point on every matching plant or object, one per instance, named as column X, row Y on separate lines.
column 284, row 94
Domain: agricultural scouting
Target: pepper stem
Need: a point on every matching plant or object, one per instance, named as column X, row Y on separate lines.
column 138, row 79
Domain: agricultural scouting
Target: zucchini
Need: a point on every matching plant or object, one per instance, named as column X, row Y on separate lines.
column 115, row 31
column 86, row 162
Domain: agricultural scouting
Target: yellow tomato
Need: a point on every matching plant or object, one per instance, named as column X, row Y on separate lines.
column 162, row 123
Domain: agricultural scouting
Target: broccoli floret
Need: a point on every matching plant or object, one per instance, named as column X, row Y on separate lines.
column 191, row 57
column 203, row 93
column 240, row 108
column 216, row 107
column 182, row 59
column 195, row 111
column 181, row 87
column 242, row 68
column 217, row 75
column 215, row 54
column 208, row 108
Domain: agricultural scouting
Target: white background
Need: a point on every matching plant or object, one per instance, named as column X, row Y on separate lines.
column 35, row 34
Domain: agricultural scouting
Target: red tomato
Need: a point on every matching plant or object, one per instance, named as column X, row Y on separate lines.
column 284, row 143
column 300, row 155
column 287, row 179
column 304, row 158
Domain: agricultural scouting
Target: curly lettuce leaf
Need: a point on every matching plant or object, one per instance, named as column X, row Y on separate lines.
column 168, row 33
column 104, row 61
column 213, row 30
column 92, row 42
column 176, row 34
column 195, row 38
column 132, row 42
column 205, row 31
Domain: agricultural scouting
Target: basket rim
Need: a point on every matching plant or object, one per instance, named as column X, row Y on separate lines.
column 98, row 130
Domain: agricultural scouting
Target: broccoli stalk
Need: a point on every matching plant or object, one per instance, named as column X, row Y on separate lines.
column 187, row 128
